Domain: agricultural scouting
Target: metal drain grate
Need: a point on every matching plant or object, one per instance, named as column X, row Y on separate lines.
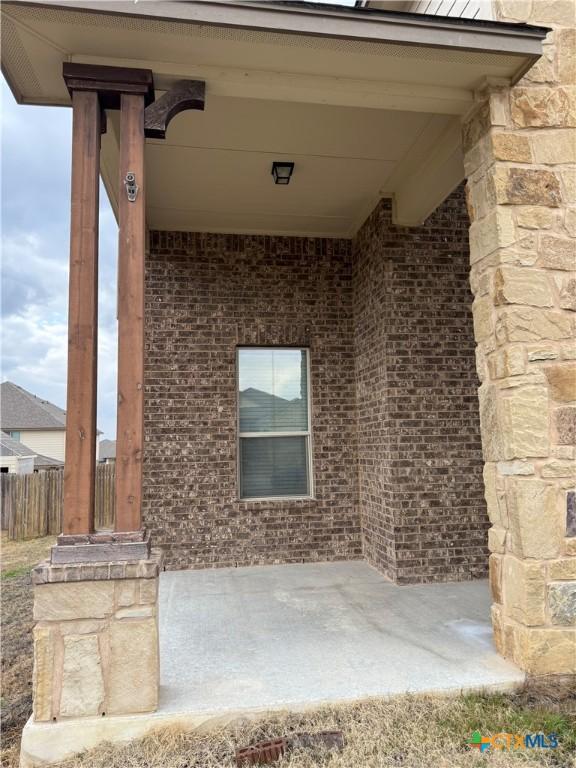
column 261, row 753
column 266, row 752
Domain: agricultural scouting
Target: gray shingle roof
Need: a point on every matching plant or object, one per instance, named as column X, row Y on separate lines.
column 11, row 447
column 20, row 409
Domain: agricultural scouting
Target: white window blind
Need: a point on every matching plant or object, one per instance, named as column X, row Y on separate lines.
column 274, row 422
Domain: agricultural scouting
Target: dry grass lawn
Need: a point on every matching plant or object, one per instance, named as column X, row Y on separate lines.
column 17, row 558
column 407, row 732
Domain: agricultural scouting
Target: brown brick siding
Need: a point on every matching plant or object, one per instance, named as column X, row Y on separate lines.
column 206, row 294
column 394, row 405
column 420, row 460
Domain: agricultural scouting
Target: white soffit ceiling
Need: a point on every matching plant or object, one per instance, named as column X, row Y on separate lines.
column 352, row 114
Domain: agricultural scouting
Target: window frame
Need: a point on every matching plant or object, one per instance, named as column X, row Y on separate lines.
column 243, row 435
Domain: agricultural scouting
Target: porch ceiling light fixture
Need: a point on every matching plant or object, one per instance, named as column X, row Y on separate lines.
column 282, row 172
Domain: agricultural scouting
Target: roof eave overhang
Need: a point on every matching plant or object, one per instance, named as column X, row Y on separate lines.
column 350, row 23
column 521, row 43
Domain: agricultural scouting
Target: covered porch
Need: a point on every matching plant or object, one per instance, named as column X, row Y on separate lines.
column 239, row 642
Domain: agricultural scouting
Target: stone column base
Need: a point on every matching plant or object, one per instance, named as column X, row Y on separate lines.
column 96, row 638
column 537, row 650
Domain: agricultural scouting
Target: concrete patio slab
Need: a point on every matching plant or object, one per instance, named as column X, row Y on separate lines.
column 243, row 641
column 294, row 635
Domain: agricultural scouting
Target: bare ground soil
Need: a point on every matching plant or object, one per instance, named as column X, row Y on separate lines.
column 406, row 732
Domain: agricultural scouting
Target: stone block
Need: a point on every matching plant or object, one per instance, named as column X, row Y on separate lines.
column 531, row 324
column 476, row 127
column 524, row 423
column 562, row 570
column 515, row 285
column 540, row 72
column 126, row 592
column 557, row 253
column 541, row 107
column 498, row 628
column 554, row 147
column 73, row 600
column 535, row 217
column 546, row 651
column 482, row 316
column 542, row 353
column 565, row 425
column 82, row 627
column 533, row 376
column 135, row 612
column 511, row 147
column 536, row 518
column 490, row 426
column 568, row 294
column 562, row 603
column 548, row 12
column 524, row 591
column 568, row 177
column 515, row 468
column 564, row 452
column 514, row 426
column 508, row 362
column 42, row 678
column 527, row 186
column 148, row 590
column 495, row 577
column 562, row 382
column 82, row 677
column 497, row 540
column 513, row 10
column 497, row 230
column 134, row 663
column 566, row 55
column 558, row 468
column 571, row 513
column 494, row 495
column 570, row 221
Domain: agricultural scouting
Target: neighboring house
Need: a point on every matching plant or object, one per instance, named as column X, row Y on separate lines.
column 31, row 420
column 346, row 310
column 19, row 459
column 107, row 451
column 37, row 423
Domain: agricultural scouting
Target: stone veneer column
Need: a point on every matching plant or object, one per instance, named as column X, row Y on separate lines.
column 520, row 155
column 96, row 639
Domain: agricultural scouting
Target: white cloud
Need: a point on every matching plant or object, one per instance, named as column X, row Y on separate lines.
column 35, row 252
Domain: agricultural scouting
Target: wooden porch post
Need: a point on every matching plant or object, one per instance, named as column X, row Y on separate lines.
column 80, row 463
column 130, row 419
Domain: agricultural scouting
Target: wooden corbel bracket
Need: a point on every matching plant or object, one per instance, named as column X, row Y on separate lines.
column 185, row 94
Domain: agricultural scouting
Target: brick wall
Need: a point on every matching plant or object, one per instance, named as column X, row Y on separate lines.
column 394, row 403
column 206, row 294
column 420, row 461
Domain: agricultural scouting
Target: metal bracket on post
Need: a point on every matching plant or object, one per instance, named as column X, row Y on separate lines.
column 131, row 187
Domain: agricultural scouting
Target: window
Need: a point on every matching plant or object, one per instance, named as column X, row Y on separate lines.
column 14, row 435
column 274, row 423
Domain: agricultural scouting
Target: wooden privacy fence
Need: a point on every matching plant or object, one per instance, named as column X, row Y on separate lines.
column 31, row 505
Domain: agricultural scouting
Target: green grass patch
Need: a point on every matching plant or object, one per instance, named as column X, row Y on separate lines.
column 15, row 572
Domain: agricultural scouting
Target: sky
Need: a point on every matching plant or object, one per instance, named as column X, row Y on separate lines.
column 35, row 228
